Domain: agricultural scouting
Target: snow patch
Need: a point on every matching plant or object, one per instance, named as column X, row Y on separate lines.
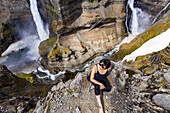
column 14, row 47
column 153, row 45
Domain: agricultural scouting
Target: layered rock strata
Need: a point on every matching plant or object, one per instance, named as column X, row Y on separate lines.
column 12, row 14
column 96, row 29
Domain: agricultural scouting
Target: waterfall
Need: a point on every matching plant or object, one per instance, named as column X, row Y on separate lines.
column 139, row 20
column 20, row 55
column 42, row 32
column 156, row 17
column 134, row 18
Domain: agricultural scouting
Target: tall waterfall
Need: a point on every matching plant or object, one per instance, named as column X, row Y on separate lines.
column 42, row 31
column 134, row 18
column 139, row 20
column 22, row 55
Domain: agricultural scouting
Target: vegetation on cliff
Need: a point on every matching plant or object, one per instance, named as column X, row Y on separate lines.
column 156, row 29
column 29, row 77
column 55, row 51
column 46, row 45
column 149, row 63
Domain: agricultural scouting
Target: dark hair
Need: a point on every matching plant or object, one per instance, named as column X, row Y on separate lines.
column 106, row 63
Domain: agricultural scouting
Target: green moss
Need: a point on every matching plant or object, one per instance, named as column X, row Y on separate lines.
column 70, row 91
column 163, row 83
column 58, row 28
column 52, row 12
column 74, row 63
column 46, row 46
column 12, row 28
column 51, row 15
column 29, row 77
column 140, row 63
column 151, row 69
column 160, row 60
column 165, row 58
column 66, row 50
column 55, row 52
column 6, row 32
column 123, row 29
column 83, row 46
column 48, row 106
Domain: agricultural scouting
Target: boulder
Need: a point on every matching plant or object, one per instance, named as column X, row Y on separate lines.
column 76, row 83
column 167, row 76
column 162, row 100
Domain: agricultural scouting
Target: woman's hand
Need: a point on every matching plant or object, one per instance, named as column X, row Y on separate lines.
column 102, row 86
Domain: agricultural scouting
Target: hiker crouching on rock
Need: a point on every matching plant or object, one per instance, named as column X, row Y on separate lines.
column 98, row 78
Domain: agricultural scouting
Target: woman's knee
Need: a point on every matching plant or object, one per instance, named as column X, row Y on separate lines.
column 107, row 89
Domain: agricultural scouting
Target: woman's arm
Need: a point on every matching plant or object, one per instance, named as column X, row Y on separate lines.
column 94, row 70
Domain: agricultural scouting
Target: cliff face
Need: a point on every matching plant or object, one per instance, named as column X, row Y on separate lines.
column 84, row 29
column 12, row 13
column 77, row 13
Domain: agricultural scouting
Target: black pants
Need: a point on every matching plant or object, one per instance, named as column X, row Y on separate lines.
column 97, row 87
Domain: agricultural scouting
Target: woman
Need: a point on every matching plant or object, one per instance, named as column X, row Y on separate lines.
column 98, row 78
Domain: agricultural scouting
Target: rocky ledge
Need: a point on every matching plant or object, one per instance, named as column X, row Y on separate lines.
column 132, row 91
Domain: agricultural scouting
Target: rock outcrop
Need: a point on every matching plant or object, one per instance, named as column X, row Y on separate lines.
column 17, row 94
column 95, row 28
column 132, row 91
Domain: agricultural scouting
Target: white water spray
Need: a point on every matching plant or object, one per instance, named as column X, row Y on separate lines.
column 139, row 20
column 43, row 34
column 48, row 74
column 134, row 18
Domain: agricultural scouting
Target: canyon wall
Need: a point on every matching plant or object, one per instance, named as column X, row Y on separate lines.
column 12, row 14
column 85, row 28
